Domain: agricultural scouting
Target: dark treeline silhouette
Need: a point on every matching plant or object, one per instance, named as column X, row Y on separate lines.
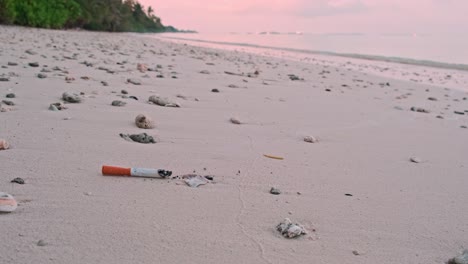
column 101, row 15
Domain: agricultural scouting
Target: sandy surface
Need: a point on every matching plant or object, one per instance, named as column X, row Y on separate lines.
column 399, row 211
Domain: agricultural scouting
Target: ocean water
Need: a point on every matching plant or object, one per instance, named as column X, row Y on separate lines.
column 441, row 51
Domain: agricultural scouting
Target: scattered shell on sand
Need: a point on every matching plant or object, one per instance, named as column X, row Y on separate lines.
column 4, row 144
column 310, row 139
column 71, row 98
column 289, row 229
column 140, row 138
column 462, row 259
column 161, row 101
column 144, row 122
column 235, row 120
column 7, row 203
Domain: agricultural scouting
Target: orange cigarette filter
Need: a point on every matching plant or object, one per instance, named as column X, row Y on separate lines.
column 115, row 171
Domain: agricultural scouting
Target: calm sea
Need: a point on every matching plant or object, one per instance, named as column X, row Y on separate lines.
column 443, row 51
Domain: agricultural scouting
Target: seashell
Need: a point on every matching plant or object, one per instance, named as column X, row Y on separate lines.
column 7, row 203
column 144, row 122
column 289, row 229
column 162, row 101
column 235, row 120
column 71, row 98
column 4, row 144
column 310, row 139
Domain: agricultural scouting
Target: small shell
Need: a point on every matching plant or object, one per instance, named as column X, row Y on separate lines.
column 310, row 139
column 144, row 122
column 4, row 144
column 7, row 203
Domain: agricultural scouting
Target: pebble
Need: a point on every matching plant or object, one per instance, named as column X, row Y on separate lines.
column 415, row 160
column 215, row 90
column 11, row 95
column 41, row 243
column 18, row 180
column 33, row 64
column 7, row 203
column 124, row 92
column 162, row 101
column 461, row 259
column 233, row 86
column 118, row 103
column 4, row 79
column 134, row 81
column 459, row 112
column 104, row 83
column 419, row 110
column 4, row 144
column 463, row 127
column 71, row 98
column 275, row 191
column 10, row 63
column 235, row 120
column 204, row 72
column 310, row 139
column 289, row 229
column 328, row 90
column 356, row 253
column 142, row 121
column 432, row 99
column 42, row 76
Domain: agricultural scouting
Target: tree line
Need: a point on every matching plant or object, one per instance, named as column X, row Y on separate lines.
column 100, row 15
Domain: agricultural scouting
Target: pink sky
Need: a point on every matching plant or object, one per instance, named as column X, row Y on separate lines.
column 315, row 16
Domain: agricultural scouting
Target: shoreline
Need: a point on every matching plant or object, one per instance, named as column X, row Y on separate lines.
column 354, row 185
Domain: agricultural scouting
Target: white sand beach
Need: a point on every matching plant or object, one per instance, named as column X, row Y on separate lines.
column 356, row 191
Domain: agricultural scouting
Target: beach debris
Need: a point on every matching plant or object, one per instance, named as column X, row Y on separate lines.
column 461, row 259
column 162, row 101
column 5, row 109
column 142, row 67
column 327, row 90
column 415, row 160
column 7, row 203
column 57, row 107
column 118, row 103
column 11, row 95
column 33, row 64
column 134, row 81
column 348, row 194
column 235, row 120
column 4, row 144
column 41, row 243
column 139, row 138
column 275, row 191
column 142, row 121
column 289, row 229
column 69, row 79
column 419, row 110
column 31, row 52
column 133, row 97
column 8, row 102
column 459, row 112
column 194, row 180
column 310, row 139
column 18, row 180
column 233, row 73
column 294, row 77
column 71, row 97
column 135, row 172
column 215, row 90
column 273, row 157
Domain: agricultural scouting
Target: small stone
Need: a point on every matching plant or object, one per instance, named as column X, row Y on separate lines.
column 142, row 121
column 275, row 191
column 461, row 259
column 104, row 83
column 11, row 95
column 356, row 253
column 204, row 72
column 31, row 52
column 432, row 99
column 348, row 194
column 118, row 103
column 124, row 92
column 463, row 127
column 69, row 79
column 310, row 139
column 33, row 64
column 4, row 79
column 10, row 63
column 18, row 180
column 133, row 97
column 41, row 243
column 162, row 101
column 42, row 76
column 8, row 102
column 134, row 81
column 233, row 86
column 459, row 112
column 57, row 107
column 235, row 120
column 419, row 110
column 215, row 90
column 328, row 90
column 140, row 138
column 71, row 98
column 415, row 160
column 440, row 117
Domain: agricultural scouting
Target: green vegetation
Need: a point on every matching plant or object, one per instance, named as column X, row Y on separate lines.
column 101, row 15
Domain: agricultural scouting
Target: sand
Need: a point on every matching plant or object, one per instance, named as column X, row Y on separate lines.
column 355, row 189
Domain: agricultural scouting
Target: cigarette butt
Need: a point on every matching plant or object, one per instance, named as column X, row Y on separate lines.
column 115, row 171
column 273, row 157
